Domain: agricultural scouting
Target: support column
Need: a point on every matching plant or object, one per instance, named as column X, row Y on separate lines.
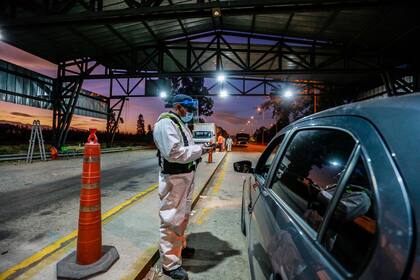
column 389, row 83
column 114, row 119
column 65, row 96
column 65, row 100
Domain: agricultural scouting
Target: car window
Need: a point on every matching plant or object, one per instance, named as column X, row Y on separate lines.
column 312, row 162
column 202, row 134
column 267, row 157
column 350, row 234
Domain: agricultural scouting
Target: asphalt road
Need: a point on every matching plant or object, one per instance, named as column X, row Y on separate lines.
column 214, row 229
column 39, row 203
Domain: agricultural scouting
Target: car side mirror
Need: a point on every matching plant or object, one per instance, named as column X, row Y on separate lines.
column 244, row 166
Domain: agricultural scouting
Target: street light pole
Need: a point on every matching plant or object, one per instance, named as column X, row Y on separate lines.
column 262, row 138
column 259, row 109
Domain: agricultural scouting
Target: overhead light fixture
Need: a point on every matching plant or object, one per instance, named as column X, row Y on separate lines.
column 223, row 93
column 216, row 12
column 288, row 93
column 163, row 94
column 335, row 163
column 221, row 78
column 252, row 117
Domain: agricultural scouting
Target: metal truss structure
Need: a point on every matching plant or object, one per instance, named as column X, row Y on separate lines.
column 56, row 12
column 22, row 86
column 321, row 47
column 251, row 70
column 240, row 54
column 66, row 94
column 115, row 109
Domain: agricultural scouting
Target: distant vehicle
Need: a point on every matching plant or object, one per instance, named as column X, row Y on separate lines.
column 242, row 139
column 336, row 195
column 204, row 133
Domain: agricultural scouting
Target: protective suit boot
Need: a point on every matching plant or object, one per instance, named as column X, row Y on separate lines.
column 188, row 252
column 178, row 273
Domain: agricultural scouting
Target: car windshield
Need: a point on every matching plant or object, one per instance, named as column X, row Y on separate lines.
column 242, row 136
column 202, row 134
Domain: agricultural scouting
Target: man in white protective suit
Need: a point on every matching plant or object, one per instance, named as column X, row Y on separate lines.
column 178, row 159
column 229, row 143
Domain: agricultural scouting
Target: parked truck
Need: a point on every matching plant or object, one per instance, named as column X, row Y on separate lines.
column 204, row 133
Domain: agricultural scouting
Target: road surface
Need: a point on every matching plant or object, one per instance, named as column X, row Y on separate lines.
column 214, row 229
column 39, row 202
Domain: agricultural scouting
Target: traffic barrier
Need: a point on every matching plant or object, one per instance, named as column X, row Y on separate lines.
column 90, row 257
column 89, row 239
column 54, row 153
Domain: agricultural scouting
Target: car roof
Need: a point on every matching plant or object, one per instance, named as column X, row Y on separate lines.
column 397, row 119
column 406, row 105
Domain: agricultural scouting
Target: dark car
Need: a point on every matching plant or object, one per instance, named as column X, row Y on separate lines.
column 336, row 195
column 242, row 139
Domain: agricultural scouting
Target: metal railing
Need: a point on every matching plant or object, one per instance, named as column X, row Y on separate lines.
column 17, row 157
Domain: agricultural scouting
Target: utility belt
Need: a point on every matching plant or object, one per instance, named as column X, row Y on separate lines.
column 177, row 168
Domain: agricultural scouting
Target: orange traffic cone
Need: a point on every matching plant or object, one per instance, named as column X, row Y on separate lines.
column 210, row 157
column 54, row 153
column 89, row 239
column 91, row 257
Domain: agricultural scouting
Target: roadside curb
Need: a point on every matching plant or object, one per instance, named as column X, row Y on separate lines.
column 60, row 244
column 155, row 257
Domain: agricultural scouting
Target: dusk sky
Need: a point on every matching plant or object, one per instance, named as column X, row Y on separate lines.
column 230, row 113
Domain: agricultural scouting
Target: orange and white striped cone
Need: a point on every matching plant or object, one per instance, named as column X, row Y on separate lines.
column 89, row 238
column 210, row 156
column 90, row 257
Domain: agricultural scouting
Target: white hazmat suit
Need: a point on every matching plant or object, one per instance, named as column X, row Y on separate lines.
column 175, row 190
column 229, row 143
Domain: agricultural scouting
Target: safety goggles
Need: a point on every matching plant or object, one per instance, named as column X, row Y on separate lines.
column 189, row 104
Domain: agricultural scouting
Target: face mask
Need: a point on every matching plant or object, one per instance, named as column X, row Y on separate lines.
column 187, row 118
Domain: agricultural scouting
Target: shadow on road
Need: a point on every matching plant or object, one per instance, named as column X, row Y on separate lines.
column 210, row 252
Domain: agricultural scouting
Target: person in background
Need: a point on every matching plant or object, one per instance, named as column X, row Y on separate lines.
column 229, row 143
column 224, row 144
column 220, row 142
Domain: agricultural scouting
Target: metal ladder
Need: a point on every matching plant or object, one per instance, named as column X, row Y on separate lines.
column 36, row 135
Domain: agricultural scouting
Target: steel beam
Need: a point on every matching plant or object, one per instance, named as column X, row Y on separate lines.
column 324, row 57
column 114, row 119
column 389, row 83
column 234, row 94
column 114, row 112
column 250, row 87
column 198, row 10
column 64, row 98
column 212, row 74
